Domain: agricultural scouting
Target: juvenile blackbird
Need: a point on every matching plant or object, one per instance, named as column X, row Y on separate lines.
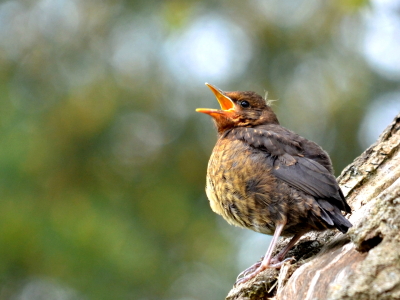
column 264, row 177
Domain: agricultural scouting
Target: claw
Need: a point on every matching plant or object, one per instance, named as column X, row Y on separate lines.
column 249, row 276
column 257, row 268
column 249, row 270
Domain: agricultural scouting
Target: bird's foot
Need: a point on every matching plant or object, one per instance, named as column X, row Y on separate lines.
column 249, row 275
column 258, row 267
column 250, row 269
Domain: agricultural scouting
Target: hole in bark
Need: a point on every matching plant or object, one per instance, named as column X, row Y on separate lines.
column 370, row 243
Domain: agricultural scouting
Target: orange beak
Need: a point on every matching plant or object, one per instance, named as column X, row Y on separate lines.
column 227, row 105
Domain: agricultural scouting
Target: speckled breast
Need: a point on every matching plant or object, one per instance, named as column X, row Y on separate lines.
column 234, row 170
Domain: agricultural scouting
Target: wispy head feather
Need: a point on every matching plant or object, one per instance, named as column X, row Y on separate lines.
column 268, row 101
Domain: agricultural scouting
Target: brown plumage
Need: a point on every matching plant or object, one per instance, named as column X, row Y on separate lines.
column 264, row 177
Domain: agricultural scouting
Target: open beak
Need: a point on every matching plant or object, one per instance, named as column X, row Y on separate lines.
column 227, row 105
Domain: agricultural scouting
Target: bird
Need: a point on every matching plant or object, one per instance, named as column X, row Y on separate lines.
column 264, row 177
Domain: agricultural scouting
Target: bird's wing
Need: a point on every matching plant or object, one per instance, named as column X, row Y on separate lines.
column 284, row 156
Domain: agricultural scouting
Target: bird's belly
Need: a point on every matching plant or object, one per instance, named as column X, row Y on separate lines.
column 233, row 172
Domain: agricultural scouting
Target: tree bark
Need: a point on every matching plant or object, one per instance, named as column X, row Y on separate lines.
column 362, row 264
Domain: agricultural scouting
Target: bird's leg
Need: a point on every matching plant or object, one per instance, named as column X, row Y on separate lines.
column 277, row 260
column 265, row 263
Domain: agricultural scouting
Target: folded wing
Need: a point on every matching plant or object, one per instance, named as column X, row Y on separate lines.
column 288, row 162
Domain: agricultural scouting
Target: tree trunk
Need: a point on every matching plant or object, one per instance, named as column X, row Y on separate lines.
column 362, row 264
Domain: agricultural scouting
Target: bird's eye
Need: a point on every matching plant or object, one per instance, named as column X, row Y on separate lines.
column 244, row 104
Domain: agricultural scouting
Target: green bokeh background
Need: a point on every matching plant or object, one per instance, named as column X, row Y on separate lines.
column 103, row 158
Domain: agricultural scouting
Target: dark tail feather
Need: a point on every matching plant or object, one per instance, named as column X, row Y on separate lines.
column 347, row 208
column 340, row 221
column 335, row 216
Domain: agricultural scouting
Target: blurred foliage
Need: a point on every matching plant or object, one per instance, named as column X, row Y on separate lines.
column 103, row 158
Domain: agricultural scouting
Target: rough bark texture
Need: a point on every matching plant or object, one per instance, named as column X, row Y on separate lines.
column 362, row 264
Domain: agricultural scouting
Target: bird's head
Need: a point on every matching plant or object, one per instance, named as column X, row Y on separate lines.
column 239, row 109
